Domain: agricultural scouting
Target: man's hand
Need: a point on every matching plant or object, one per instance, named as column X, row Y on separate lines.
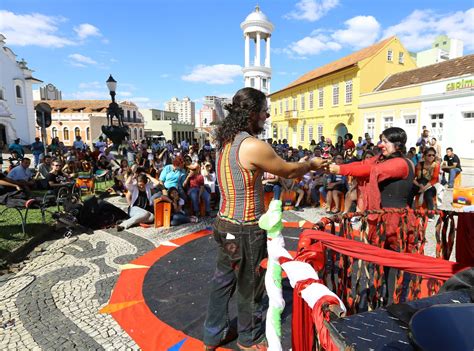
column 318, row 163
column 334, row 169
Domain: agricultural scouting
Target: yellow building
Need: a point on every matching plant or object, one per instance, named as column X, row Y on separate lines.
column 325, row 101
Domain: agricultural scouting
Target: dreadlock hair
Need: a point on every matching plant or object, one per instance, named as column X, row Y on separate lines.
column 244, row 102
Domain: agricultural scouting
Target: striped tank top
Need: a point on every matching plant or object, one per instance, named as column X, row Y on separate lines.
column 241, row 189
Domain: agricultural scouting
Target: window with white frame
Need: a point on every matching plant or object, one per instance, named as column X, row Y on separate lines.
column 410, row 119
column 264, row 83
column 295, row 103
column 321, row 97
column 311, row 98
column 54, row 132
column 370, row 126
column 349, row 92
column 387, row 122
column 437, row 124
column 401, row 58
column 335, row 94
column 468, row 115
column 302, row 102
column 281, row 106
column 310, row 132
column 302, row 133
column 286, row 104
column 252, row 84
column 275, row 110
column 320, row 131
column 390, row 55
column 88, row 133
column 77, row 131
column 287, row 133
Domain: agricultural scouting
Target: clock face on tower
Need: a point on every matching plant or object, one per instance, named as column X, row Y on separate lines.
column 50, row 92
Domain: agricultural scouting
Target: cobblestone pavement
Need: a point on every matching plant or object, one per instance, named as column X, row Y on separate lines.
column 53, row 302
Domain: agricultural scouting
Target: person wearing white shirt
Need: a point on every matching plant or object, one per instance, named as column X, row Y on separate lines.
column 21, row 174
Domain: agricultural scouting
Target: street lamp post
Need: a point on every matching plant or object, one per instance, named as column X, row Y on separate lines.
column 115, row 133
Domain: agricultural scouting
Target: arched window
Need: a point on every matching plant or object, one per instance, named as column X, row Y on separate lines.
column 65, row 133
column 54, row 132
column 135, row 134
column 77, row 131
column 141, row 133
column 88, row 133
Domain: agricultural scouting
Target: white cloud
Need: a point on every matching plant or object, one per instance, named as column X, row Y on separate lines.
column 32, row 29
column 312, row 45
column 215, row 74
column 91, row 85
column 88, row 95
column 79, row 60
column 85, row 30
column 361, row 31
column 420, row 28
column 311, row 10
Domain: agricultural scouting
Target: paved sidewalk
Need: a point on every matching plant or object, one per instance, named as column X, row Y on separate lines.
column 55, row 299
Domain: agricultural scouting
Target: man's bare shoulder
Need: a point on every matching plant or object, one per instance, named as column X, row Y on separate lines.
column 253, row 144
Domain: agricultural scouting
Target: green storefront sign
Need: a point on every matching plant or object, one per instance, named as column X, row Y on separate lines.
column 460, row 84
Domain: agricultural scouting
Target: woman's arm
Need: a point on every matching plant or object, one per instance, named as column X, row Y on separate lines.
column 435, row 176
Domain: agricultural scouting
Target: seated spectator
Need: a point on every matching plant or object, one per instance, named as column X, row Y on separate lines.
column 42, row 174
column 56, row 178
column 14, row 160
column 317, row 181
column 335, row 186
column 70, row 169
column 173, row 175
column 141, row 200
column 349, row 146
column 158, row 162
column 193, row 154
column 22, row 175
column 452, row 165
column 293, row 185
column 178, row 216
column 426, row 176
column 339, row 147
column 194, row 183
column 210, row 182
column 102, row 167
column 271, row 183
column 328, row 149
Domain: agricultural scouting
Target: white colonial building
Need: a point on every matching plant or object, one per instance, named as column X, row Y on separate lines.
column 17, row 114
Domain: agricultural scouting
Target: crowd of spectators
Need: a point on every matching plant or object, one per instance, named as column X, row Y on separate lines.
column 184, row 173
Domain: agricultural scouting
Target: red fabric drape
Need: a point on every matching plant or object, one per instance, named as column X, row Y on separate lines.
column 465, row 239
column 302, row 336
column 412, row 263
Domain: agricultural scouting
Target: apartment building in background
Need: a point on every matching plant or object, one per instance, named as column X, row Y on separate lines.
column 184, row 108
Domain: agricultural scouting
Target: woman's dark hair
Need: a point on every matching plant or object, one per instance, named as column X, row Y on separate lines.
column 244, row 102
column 170, row 190
column 398, row 138
column 428, row 150
column 142, row 178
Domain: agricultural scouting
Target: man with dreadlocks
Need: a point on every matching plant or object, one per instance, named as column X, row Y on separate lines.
column 241, row 162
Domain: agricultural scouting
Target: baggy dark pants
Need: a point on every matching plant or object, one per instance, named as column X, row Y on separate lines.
column 241, row 249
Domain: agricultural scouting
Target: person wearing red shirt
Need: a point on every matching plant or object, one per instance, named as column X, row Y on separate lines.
column 388, row 181
column 196, row 190
column 349, row 145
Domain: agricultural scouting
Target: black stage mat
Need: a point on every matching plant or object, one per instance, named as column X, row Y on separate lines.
column 176, row 287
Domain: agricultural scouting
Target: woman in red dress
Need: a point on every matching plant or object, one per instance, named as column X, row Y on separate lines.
column 384, row 182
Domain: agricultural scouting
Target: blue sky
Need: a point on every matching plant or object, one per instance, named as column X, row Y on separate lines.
column 160, row 49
